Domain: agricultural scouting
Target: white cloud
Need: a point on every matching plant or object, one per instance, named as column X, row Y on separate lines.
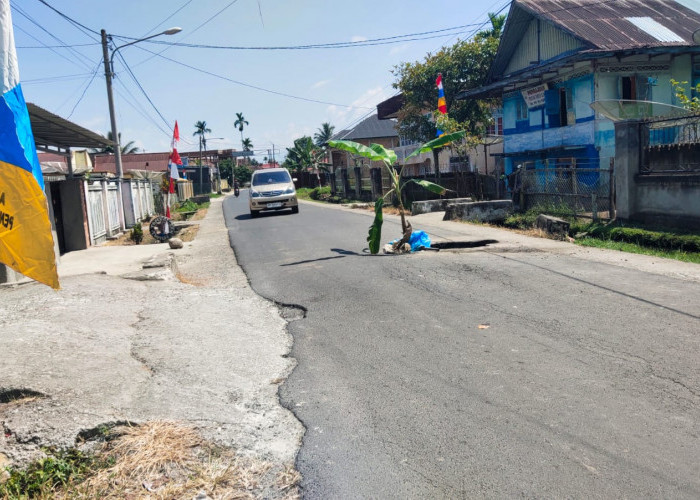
column 397, row 49
column 320, row 83
column 358, row 38
column 366, row 103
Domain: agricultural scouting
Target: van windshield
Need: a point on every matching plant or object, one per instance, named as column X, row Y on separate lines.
column 263, row 178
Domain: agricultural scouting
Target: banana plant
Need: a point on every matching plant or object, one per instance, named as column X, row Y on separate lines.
column 377, row 152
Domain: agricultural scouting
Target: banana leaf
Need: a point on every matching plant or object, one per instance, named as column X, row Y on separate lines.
column 438, row 143
column 430, row 186
column 375, row 230
column 388, row 155
column 357, row 149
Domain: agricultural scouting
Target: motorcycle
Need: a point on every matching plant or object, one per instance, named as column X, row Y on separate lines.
column 236, row 191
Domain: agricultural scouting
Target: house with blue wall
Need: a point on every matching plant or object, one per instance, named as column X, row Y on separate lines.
column 556, row 57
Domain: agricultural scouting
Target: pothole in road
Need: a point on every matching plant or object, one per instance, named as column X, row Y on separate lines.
column 455, row 245
column 103, row 432
column 19, row 395
column 291, row 312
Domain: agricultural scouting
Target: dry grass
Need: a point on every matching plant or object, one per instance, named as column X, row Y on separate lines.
column 190, row 281
column 165, row 460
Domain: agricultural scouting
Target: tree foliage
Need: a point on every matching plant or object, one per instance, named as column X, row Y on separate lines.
column 200, row 129
column 324, row 134
column 126, row 149
column 377, row 152
column 229, row 170
column 464, row 65
column 304, row 155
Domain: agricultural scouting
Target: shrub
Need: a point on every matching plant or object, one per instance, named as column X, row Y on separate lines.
column 320, row 193
column 136, row 234
column 187, row 206
column 42, row 477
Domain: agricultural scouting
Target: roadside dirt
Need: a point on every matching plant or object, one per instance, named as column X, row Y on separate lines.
column 188, row 233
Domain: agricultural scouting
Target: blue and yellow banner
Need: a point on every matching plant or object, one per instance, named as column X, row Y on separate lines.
column 26, row 242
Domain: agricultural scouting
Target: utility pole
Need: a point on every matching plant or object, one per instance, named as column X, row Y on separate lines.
column 115, row 133
column 273, row 155
column 201, row 167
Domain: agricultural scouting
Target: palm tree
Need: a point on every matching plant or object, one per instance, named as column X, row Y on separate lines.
column 240, row 123
column 127, row 149
column 247, row 144
column 200, row 128
column 324, row 134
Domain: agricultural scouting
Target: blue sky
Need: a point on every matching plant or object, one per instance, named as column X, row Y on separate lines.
column 349, row 81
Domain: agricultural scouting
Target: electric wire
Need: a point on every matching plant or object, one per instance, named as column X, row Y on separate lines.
column 143, row 91
column 425, row 35
column 94, row 74
column 167, row 18
column 82, row 57
column 81, row 26
column 143, row 112
column 27, row 47
column 59, row 54
column 243, row 84
column 53, row 79
column 190, row 33
column 133, row 102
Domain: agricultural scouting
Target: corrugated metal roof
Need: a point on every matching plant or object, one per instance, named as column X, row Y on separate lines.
column 606, row 24
column 52, row 130
column 369, row 128
column 601, row 25
column 655, row 29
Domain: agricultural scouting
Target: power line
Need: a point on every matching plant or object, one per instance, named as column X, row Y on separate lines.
column 425, row 35
column 167, row 18
column 141, row 111
column 82, row 27
column 94, row 74
column 143, row 91
column 38, row 25
column 56, row 46
column 221, row 77
column 52, row 79
column 59, row 54
column 190, row 33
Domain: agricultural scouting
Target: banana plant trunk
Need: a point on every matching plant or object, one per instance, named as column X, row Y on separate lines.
column 436, row 161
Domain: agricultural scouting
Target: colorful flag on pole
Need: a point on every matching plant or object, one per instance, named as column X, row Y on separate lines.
column 173, row 162
column 442, row 104
column 26, row 242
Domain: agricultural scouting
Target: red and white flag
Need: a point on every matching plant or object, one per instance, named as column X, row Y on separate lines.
column 173, row 162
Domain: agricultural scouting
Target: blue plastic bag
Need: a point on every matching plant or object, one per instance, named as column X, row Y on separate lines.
column 418, row 240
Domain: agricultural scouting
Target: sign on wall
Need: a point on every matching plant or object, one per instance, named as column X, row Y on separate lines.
column 534, row 97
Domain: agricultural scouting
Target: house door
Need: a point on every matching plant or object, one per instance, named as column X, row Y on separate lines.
column 58, row 215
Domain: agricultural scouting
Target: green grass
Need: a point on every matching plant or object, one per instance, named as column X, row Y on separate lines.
column 671, row 243
column 638, row 249
column 191, row 206
column 322, row 195
column 60, row 468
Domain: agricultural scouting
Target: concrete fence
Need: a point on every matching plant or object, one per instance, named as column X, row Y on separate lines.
column 655, row 182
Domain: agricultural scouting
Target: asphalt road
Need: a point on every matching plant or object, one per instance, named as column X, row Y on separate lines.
column 478, row 374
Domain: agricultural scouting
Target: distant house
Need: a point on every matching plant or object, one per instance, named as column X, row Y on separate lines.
column 144, row 165
column 370, row 130
column 556, row 57
column 478, row 159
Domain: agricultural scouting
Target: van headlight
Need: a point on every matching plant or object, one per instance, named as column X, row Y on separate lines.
column 254, row 193
column 289, row 190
